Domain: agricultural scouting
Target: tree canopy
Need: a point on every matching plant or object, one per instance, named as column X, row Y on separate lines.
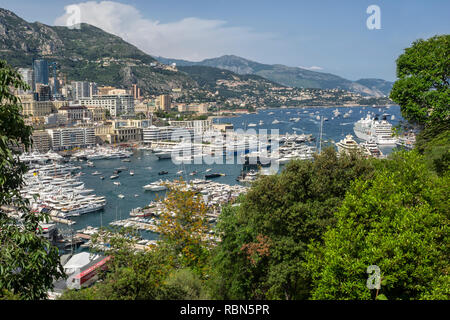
column 28, row 262
column 398, row 221
column 422, row 89
column 264, row 240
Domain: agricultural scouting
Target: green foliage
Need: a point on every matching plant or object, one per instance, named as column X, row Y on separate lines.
column 422, row 90
column 278, row 217
column 184, row 284
column 132, row 274
column 433, row 142
column 28, row 262
column 398, row 220
column 183, row 228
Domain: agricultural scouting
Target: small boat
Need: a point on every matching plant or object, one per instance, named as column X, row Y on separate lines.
column 102, row 178
column 131, row 173
column 162, row 172
column 126, row 160
column 96, row 173
column 114, row 176
column 121, row 196
column 275, row 121
column 214, row 175
column 136, row 195
column 208, row 170
column 117, row 183
column 180, row 172
column 193, row 173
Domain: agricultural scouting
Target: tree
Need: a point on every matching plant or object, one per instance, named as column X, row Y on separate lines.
column 422, row 90
column 28, row 263
column 132, row 274
column 423, row 93
column 183, row 226
column 398, row 221
column 264, row 239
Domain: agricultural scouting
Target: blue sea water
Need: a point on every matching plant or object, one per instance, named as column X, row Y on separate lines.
column 146, row 166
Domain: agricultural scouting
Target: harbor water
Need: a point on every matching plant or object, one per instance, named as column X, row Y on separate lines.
column 146, row 165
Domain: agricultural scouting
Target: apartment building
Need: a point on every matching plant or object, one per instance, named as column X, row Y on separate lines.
column 115, row 104
column 41, row 141
column 68, row 138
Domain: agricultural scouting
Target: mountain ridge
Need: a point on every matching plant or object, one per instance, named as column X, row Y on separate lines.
column 290, row 76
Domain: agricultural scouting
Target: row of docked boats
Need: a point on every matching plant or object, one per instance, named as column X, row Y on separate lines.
column 63, row 194
column 102, row 152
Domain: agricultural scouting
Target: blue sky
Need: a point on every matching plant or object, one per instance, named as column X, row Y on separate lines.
column 324, row 35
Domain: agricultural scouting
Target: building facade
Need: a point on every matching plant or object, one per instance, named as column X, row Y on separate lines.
column 115, row 104
column 74, row 113
column 40, row 69
column 31, row 107
column 41, row 141
column 68, row 138
column 197, row 126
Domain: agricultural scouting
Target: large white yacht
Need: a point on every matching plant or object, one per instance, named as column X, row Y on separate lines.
column 370, row 128
column 347, row 144
column 155, row 186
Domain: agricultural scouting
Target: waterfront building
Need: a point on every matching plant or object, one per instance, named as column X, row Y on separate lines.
column 68, row 138
column 127, row 134
column 41, row 141
column 136, row 123
column 153, row 134
column 197, row 126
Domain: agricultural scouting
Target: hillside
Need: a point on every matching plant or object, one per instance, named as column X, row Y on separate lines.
column 290, row 76
column 92, row 54
column 85, row 54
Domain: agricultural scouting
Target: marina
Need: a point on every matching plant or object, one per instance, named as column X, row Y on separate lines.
column 135, row 187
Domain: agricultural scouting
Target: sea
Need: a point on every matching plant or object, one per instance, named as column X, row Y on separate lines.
column 146, row 166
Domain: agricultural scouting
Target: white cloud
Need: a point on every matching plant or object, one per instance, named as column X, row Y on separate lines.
column 190, row 38
column 313, row 68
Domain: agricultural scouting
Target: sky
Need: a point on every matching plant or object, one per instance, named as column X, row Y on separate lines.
column 321, row 35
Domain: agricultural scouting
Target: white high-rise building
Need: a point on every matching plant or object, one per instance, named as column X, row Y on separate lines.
column 116, row 104
column 83, row 89
column 27, row 75
column 68, row 138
